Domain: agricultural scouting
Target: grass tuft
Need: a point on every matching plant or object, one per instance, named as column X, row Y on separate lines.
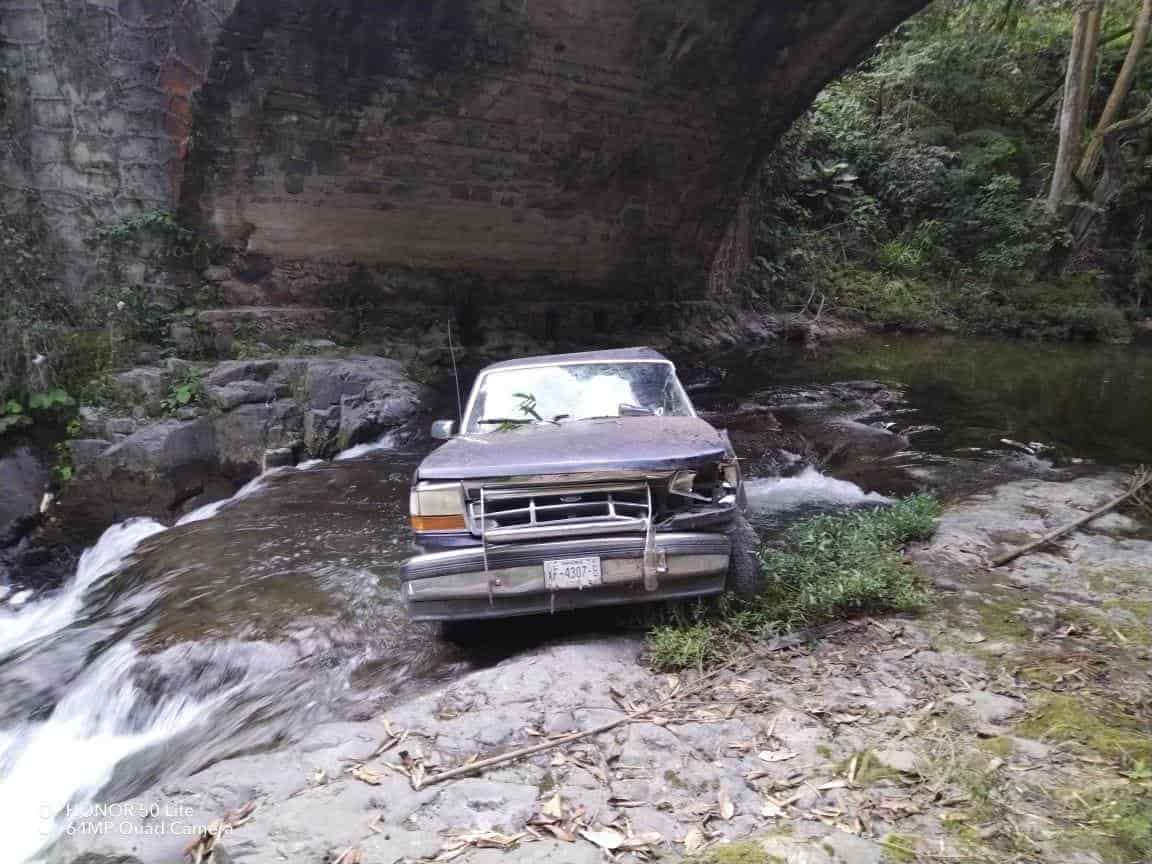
column 823, row 569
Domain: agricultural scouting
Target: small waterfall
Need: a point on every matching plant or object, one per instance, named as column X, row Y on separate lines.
column 388, row 441
column 51, row 767
column 807, row 490
column 39, row 619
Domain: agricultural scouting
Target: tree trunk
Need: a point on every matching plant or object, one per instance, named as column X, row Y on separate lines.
column 1112, row 179
column 1088, row 70
column 1071, row 111
column 1120, row 91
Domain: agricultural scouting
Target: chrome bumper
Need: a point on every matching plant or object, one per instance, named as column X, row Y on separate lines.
column 461, row 584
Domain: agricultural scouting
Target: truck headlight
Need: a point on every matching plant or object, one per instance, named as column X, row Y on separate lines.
column 437, row 507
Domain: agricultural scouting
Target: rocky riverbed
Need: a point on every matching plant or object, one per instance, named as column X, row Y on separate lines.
column 1009, row 722
column 167, row 439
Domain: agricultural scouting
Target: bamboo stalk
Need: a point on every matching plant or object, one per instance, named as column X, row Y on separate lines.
column 1142, row 482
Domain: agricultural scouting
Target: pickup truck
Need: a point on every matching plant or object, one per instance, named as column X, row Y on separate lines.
column 576, row 480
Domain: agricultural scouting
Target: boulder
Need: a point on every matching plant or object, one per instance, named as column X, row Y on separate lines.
column 311, row 406
column 150, row 473
column 161, row 449
column 381, row 406
column 231, row 371
column 239, row 393
column 328, row 380
column 144, row 386
column 241, row 440
column 23, row 480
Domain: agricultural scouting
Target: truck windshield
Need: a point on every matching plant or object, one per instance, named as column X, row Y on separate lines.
column 507, row 398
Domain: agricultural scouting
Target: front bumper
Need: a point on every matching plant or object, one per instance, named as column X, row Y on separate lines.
column 456, row 585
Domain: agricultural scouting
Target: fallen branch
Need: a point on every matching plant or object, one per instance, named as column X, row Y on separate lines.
column 676, row 696
column 1142, row 480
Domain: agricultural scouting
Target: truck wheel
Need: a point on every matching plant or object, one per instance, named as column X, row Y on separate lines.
column 745, row 573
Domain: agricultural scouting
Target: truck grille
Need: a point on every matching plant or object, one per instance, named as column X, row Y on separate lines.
column 540, row 513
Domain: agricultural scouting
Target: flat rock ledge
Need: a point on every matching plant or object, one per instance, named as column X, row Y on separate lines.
column 662, row 778
column 826, row 753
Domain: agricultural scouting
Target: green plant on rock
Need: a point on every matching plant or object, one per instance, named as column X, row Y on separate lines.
column 12, row 417
column 179, row 244
column 185, row 391
column 51, row 400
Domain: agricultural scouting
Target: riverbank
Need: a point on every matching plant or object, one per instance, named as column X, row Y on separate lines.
column 1009, row 721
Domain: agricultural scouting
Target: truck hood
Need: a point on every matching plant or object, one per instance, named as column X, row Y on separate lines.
column 615, row 444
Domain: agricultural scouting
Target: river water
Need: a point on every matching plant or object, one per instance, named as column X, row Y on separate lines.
column 252, row 619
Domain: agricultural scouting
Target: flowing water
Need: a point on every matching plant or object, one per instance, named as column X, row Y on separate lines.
column 254, row 618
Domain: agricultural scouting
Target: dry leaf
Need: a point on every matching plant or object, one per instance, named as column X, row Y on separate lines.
column 727, row 808
column 642, row 841
column 560, row 833
column 833, row 784
column 694, row 840
column 554, row 808
column 457, row 844
column 366, row 775
column 771, row 810
column 624, row 803
column 605, row 838
column 779, row 756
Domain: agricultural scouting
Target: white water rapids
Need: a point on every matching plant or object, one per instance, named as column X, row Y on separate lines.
column 53, row 766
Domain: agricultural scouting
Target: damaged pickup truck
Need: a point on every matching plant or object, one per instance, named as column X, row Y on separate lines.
column 576, row 480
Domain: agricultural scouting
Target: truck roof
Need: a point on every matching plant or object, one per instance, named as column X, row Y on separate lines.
column 611, row 355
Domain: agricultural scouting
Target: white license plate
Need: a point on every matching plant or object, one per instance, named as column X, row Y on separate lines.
column 572, row 573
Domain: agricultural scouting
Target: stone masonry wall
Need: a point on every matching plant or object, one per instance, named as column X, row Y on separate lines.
column 416, row 150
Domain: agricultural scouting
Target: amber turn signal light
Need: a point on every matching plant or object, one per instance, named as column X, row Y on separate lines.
column 438, row 523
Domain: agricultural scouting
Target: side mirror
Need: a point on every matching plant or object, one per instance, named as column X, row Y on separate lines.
column 442, row 430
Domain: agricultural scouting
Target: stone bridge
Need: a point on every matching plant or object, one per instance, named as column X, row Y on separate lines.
column 523, row 148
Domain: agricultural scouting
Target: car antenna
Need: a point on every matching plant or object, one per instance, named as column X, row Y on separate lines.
column 456, row 376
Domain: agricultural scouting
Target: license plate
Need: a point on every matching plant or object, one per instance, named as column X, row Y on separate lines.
column 572, row 573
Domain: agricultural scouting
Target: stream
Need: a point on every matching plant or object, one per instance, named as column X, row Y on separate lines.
column 252, row 619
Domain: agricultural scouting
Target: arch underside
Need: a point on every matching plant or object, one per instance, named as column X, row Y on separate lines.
column 570, row 145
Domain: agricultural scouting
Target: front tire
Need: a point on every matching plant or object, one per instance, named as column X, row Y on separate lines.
column 745, row 571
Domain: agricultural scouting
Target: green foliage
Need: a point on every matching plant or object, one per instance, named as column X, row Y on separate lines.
column 691, row 646
column 832, row 567
column 45, row 407
column 12, row 417
column 527, row 406
column 912, row 187
column 187, row 389
column 822, row 569
column 51, row 400
column 177, row 244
